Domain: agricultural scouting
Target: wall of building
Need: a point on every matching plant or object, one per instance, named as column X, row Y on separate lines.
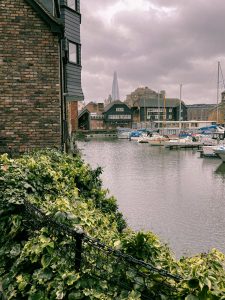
column 29, row 80
column 115, row 118
column 72, row 19
column 199, row 112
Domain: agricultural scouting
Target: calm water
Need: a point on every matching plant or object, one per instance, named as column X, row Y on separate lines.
column 173, row 193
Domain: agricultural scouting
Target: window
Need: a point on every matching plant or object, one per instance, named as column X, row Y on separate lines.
column 73, row 53
column 72, row 4
column 119, row 109
column 170, row 117
column 119, row 117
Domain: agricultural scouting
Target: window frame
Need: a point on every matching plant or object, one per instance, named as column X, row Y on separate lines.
column 77, row 62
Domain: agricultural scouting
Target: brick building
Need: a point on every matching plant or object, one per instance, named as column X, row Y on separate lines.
column 39, row 59
column 91, row 117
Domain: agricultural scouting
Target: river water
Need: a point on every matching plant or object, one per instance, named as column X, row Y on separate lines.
column 174, row 193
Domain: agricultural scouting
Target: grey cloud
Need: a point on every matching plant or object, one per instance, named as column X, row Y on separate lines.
column 155, row 50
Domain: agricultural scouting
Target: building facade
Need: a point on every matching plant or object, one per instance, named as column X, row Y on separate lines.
column 117, row 114
column 167, row 109
column 199, row 112
column 91, row 117
column 217, row 113
column 38, row 90
column 95, row 116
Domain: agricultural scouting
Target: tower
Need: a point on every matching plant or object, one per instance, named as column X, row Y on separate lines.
column 115, row 88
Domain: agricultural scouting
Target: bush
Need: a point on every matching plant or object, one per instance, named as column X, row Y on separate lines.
column 70, row 192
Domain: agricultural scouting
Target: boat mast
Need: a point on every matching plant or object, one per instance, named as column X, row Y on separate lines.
column 164, row 112
column 217, row 93
column 180, row 108
column 158, row 108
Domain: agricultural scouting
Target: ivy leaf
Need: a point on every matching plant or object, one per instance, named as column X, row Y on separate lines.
column 46, row 260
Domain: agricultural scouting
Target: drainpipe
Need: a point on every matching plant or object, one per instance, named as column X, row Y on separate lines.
column 62, row 99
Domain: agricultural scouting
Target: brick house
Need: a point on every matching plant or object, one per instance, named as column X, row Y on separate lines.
column 40, row 71
column 91, row 117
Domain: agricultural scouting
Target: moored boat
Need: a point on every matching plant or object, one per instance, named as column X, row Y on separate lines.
column 220, row 151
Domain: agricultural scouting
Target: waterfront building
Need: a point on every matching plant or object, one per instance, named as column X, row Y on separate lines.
column 95, row 116
column 167, row 109
column 199, row 112
column 149, row 106
column 40, row 74
column 117, row 114
column 218, row 111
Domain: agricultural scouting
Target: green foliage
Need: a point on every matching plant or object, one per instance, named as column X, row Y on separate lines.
column 69, row 191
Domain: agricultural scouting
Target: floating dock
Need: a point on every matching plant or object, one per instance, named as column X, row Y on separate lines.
column 184, row 146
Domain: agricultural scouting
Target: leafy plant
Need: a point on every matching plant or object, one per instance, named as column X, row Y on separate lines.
column 70, row 192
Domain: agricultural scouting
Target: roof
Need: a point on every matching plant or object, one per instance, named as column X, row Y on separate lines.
column 55, row 24
column 200, row 106
column 83, row 111
column 169, row 102
column 111, row 104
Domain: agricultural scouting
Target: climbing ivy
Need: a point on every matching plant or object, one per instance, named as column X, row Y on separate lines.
column 68, row 190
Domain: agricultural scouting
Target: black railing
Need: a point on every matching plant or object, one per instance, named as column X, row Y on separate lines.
column 93, row 258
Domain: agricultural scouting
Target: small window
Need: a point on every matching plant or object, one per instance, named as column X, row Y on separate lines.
column 73, row 53
column 72, row 4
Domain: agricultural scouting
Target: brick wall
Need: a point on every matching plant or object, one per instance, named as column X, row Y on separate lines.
column 72, row 116
column 29, row 79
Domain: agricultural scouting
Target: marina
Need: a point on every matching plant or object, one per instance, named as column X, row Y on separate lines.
column 175, row 194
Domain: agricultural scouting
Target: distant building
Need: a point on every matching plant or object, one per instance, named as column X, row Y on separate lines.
column 95, row 116
column 168, row 109
column 218, row 112
column 149, row 106
column 91, row 117
column 117, row 114
column 115, row 88
column 140, row 93
column 199, row 112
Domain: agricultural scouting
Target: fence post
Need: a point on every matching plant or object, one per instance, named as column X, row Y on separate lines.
column 79, row 239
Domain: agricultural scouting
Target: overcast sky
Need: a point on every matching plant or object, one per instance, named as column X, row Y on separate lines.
column 154, row 43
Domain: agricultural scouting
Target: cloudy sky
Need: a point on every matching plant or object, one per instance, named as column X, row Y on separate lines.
column 154, row 43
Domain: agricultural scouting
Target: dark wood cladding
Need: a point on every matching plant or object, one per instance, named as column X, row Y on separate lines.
column 72, row 21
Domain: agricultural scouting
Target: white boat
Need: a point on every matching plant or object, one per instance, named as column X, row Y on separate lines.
column 123, row 133
column 208, row 151
column 186, row 142
column 153, row 140
column 220, row 150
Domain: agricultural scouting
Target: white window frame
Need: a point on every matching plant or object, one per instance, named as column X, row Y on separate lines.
column 119, row 109
column 73, row 53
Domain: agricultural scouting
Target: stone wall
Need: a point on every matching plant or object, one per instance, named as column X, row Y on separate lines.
column 29, row 80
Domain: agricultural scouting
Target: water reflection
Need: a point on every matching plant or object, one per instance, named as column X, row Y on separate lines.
column 221, row 170
column 176, row 194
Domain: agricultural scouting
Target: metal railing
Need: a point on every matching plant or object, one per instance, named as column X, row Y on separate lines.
column 92, row 258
